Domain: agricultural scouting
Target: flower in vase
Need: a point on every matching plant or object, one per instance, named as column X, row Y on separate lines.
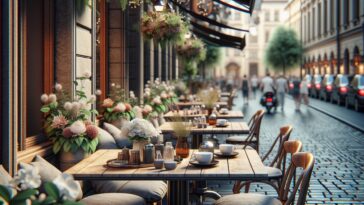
column 127, row 107
column 120, row 107
column 52, row 98
column 148, row 108
column 139, row 129
column 92, row 131
column 44, row 98
column 67, row 133
column 59, row 121
column 67, row 106
column 157, row 100
column 28, row 178
column 107, row 103
column 86, row 74
column 67, row 186
column 58, row 87
column 78, row 127
column 164, row 95
column 76, row 106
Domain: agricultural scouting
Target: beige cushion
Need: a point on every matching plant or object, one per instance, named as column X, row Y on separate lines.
column 273, row 172
column 4, row 176
column 121, row 141
column 151, row 191
column 47, row 171
column 113, row 199
column 106, row 141
column 248, row 199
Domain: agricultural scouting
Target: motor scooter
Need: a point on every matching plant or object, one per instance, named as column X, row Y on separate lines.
column 269, row 101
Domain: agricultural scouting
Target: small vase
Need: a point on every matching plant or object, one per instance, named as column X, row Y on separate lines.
column 139, row 145
column 69, row 159
column 182, row 148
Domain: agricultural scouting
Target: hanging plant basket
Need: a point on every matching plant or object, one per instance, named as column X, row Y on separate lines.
column 163, row 27
column 192, row 50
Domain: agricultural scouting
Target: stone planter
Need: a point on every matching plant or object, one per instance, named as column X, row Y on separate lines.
column 69, row 159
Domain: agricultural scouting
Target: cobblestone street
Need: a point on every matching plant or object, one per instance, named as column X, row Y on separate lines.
column 338, row 176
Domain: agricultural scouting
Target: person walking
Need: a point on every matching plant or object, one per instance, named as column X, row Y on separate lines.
column 267, row 84
column 304, row 91
column 254, row 84
column 282, row 88
column 296, row 93
column 245, row 89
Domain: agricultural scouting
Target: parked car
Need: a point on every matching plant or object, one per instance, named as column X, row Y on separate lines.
column 315, row 86
column 355, row 95
column 326, row 87
column 340, row 89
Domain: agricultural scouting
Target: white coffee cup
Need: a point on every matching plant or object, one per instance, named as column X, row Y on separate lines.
column 226, row 148
column 224, row 110
column 203, row 157
column 221, row 121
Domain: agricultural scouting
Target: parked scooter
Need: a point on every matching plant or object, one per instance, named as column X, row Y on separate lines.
column 269, row 101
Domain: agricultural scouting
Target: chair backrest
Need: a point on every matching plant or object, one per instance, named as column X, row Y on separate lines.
column 254, row 118
column 283, row 136
column 254, row 131
column 231, row 99
column 304, row 160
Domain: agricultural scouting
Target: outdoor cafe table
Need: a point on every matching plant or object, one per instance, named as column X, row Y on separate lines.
column 246, row 166
column 231, row 114
column 232, row 128
column 189, row 104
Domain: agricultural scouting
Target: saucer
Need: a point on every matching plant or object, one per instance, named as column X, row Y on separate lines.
column 197, row 164
column 224, row 125
column 219, row 154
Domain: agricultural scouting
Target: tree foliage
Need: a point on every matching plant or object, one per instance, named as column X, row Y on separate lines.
column 284, row 50
column 213, row 55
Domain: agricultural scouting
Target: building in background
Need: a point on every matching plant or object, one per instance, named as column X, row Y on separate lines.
column 266, row 17
column 332, row 36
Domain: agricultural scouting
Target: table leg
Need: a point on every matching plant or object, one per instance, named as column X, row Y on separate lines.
column 178, row 193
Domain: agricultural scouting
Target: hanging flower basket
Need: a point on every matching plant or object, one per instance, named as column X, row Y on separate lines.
column 192, row 50
column 163, row 27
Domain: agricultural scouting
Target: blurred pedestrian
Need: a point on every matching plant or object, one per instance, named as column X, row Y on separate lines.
column 304, row 91
column 254, row 84
column 267, row 84
column 230, row 84
column 282, row 88
column 296, row 92
column 245, row 89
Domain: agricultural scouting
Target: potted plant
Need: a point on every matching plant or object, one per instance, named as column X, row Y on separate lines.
column 68, row 123
column 209, row 98
column 181, row 131
column 140, row 132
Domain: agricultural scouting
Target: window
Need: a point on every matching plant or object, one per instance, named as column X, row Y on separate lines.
column 37, row 68
column 266, row 36
column 346, row 13
column 313, row 24
column 332, row 14
column 309, row 27
column 325, row 17
column 267, row 16
column 319, row 27
column 356, row 10
column 276, row 16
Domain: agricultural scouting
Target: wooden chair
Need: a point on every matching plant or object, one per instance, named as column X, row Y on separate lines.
column 304, row 160
column 276, row 168
column 252, row 139
column 230, row 100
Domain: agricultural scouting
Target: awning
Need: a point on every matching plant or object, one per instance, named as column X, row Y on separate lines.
column 208, row 30
column 245, row 10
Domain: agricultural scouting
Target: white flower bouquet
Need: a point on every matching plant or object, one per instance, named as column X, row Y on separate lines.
column 24, row 189
column 139, row 130
column 67, row 120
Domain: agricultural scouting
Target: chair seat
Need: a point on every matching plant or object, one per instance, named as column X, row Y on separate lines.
column 113, row 199
column 247, row 199
column 239, row 139
column 151, row 191
column 273, row 172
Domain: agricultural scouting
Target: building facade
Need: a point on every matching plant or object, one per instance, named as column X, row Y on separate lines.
column 332, row 35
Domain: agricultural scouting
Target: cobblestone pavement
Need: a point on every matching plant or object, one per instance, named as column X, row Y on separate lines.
column 338, row 176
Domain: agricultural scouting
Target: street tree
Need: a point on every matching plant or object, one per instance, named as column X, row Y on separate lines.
column 284, row 50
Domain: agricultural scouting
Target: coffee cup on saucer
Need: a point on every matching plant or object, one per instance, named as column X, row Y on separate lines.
column 221, row 122
column 224, row 110
column 226, row 148
column 203, row 157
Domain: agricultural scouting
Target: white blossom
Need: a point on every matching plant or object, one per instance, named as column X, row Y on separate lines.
column 58, row 87
column 98, row 92
column 67, row 186
column 27, row 178
column 52, row 98
column 67, row 106
column 120, row 107
column 141, row 128
column 78, row 127
column 44, row 98
column 157, row 100
column 92, row 98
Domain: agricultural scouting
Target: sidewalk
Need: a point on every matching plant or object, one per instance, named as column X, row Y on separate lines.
column 347, row 116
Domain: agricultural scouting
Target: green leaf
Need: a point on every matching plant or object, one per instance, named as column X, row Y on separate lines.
column 45, row 109
column 4, row 193
column 109, row 109
column 56, row 147
column 23, row 195
column 51, row 190
column 79, row 140
column 67, row 146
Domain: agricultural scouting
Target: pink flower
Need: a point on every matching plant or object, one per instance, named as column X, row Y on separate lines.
column 148, row 108
column 108, row 103
column 44, row 98
column 120, row 107
column 59, row 122
column 157, row 100
column 92, row 131
column 67, row 132
column 98, row 92
column 58, row 87
column 164, row 95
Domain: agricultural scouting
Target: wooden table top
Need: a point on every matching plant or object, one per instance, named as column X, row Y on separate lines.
column 232, row 114
column 189, row 104
column 246, row 166
column 232, row 128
